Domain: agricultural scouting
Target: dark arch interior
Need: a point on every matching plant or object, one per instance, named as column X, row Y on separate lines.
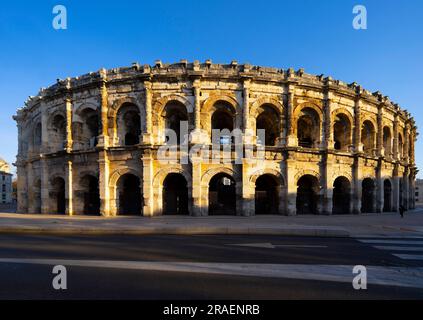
column 387, row 196
column 222, row 120
column 367, row 195
column 175, row 195
column 307, row 195
column 341, row 132
column 222, row 195
column 267, row 195
column 341, row 196
column 268, row 121
column 59, row 195
column 368, row 137
column 91, row 195
column 129, row 188
column 308, row 128
column 175, row 114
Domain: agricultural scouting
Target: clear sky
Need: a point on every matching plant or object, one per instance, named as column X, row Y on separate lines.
column 315, row 35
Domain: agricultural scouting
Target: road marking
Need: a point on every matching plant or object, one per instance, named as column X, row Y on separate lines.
column 377, row 275
column 409, row 256
column 397, row 248
column 269, row 245
column 371, row 241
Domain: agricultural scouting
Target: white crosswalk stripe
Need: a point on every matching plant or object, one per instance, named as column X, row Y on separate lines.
column 406, row 249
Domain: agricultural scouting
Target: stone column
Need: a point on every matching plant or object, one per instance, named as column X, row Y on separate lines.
column 196, row 185
column 291, row 138
column 69, row 188
column 395, row 140
column 103, row 139
column 30, row 190
column 22, row 188
column 248, row 192
column 147, row 180
column 196, row 136
column 291, row 188
column 357, row 186
column 327, row 139
column 327, row 187
column 44, row 129
column 147, row 136
column 249, row 133
column 379, row 188
column 396, row 189
column 45, row 184
column 103, row 163
column 69, row 141
column 358, row 146
column 406, row 143
column 380, row 151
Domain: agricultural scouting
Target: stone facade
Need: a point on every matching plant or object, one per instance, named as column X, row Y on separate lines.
column 5, row 183
column 91, row 144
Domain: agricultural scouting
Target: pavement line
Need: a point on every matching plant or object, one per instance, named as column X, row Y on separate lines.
column 409, row 256
column 269, row 245
column 397, row 248
column 377, row 275
column 381, row 241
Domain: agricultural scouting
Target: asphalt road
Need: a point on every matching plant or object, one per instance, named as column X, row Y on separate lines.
column 208, row 267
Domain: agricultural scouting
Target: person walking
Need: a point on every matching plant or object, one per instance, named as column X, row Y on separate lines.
column 401, row 211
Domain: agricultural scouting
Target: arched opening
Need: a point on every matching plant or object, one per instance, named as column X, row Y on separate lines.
column 37, row 135
column 341, row 196
column 91, row 195
column 367, row 195
column 387, row 196
column 57, row 132
column 37, row 196
column 308, row 128
column 267, row 195
column 400, row 147
column 368, row 137
column 174, row 114
column 175, row 195
column 223, row 121
column 387, row 141
column 342, row 132
column 58, row 195
column 129, row 124
column 222, row 195
column 268, row 120
column 307, row 195
column 129, row 191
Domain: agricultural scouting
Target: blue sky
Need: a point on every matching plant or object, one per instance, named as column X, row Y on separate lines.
column 315, row 35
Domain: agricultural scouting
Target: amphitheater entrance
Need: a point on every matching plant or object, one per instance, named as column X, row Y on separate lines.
column 307, row 195
column 175, row 195
column 91, row 195
column 387, row 196
column 367, row 195
column 222, row 195
column 267, row 195
column 58, row 195
column 341, row 196
column 129, row 191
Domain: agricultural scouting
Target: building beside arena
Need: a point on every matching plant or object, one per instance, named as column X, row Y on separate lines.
column 94, row 144
column 5, row 183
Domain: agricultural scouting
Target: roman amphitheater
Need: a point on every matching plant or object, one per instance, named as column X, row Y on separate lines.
column 92, row 144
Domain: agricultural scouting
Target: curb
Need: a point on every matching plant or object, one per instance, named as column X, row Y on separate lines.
column 308, row 232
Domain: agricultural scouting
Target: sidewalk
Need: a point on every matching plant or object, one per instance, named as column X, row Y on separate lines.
column 371, row 225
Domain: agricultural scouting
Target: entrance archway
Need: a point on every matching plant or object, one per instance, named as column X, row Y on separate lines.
column 367, row 195
column 267, row 195
column 341, row 196
column 387, row 192
column 222, row 195
column 175, row 195
column 58, row 195
column 129, row 191
column 91, row 195
column 307, row 195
